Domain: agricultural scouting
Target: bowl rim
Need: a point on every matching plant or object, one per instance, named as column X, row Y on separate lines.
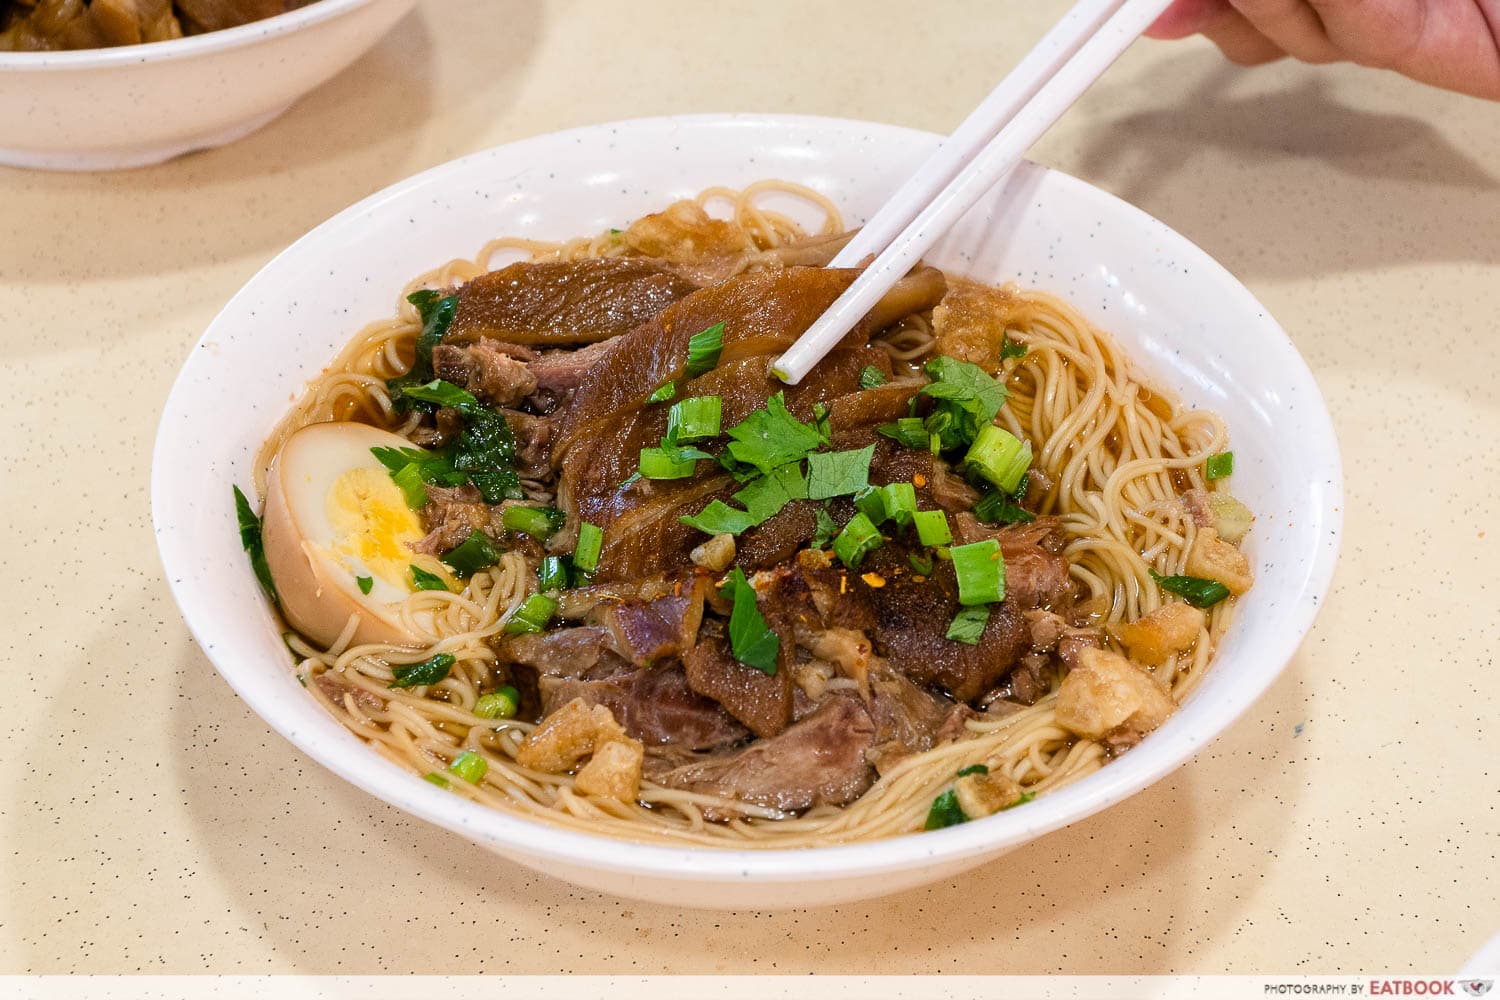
column 539, row 840
column 187, row 47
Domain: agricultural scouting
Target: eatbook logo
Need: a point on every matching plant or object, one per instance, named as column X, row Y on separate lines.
column 1476, row 987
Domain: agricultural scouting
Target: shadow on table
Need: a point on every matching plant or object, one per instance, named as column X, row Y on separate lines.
column 1295, row 182
column 354, row 135
column 314, row 862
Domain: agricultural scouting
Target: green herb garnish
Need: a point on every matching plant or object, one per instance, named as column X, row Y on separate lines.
column 1000, row 457
column 540, row 523
column 1196, row 590
column 703, row 350
column 471, row 555
column 964, row 772
column 663, row 393
column 750, row 638
column 871, row 377
column 838, row 473
column 532, row 616
column 552, row 573
column 968, row 625
column 499, row 704
column 694, row 419
column 1012, row 349
column 718, row 518
column 428, row 672
column 437, row 311
column 590, row 544
column 909, row 432
column 1218, row 466
column 250, row 538
column 997, row 508
column 980, row 570
column 859, row 538
column 470, row 766
column 945, row 811
column 824, row 529
column 364, row 583
column 932, row 527
column 424, row 580
column 772, row 437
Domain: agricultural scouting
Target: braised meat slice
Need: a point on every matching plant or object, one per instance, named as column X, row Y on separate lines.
column 907, row 718
column 560, row 303
column 1035, row 574
column 911, row 621
column 817, row 761
column 451, row 514
column 654, row 704
column 564, row 652
column 761, row 701
column 646, row 631
column 492, row 371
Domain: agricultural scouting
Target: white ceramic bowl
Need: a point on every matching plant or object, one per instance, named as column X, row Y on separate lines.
column 1187, row 322
column 107, row 109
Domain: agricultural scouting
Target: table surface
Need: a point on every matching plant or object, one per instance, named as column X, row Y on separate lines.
column 152, row 823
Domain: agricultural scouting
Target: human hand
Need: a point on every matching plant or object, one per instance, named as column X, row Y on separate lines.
column 1447, row 43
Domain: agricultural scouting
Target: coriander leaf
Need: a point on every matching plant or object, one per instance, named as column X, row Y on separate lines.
column 718, row 518
column 1198, row 591
column 838, row 473
column 824, row 529
column 772, row 437
column 945, row 811
column 750, row 638
column 741, row 472
column 871, row 377
column 424, row 580
column 365, row 584
column 437, row 312
column 486, row 450
column 968, row 625
column 429, row 671
column 764, row 496
column 1012, row 349
column 964, row 382
column 443, row 394
column 255, row 548
column 471, row 555
column 703, row 350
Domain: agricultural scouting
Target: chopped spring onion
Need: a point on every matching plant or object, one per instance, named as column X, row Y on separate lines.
column 552, row 573
column 920, row 565
column 250, row 538
column 540, row 523
column 436, row 779
column 997, row 508
column 469, row 766
column 858, row 538
column 981, row 572
column 413, row 488
column 423, row 580
column 703, row 350
column 718, row 518
column 1196, row 590
column 364, row 583
column 999, row 456
column 1218, row 466
column 932, row 527
column 532, row 616
column 838, row 473
column 1012, row 349
column 499, row 704
column 590, row 543
column 695, row 419
column 900, row 502
column 871, row 377
column 471, row 555
column 663, row 392
column 968, row 625
column 750, row 638
column 964, row 772
column 871, row 503
column 945, row 811
column 657, row 463
column 429, row 671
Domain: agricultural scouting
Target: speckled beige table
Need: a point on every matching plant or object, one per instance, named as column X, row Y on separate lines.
column 149, row 822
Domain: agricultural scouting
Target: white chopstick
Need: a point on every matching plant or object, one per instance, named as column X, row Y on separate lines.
column 1033, row 103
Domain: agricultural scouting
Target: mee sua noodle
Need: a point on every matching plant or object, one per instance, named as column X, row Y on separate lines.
column 554, row 538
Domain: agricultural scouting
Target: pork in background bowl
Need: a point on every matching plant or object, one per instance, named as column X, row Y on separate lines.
column 138, row 104
column 1181, row 318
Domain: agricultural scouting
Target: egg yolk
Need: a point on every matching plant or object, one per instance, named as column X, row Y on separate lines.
column 372, row 525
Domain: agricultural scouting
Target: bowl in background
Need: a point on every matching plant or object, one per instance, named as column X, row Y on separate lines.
column 134, row 105
column 1182, row 318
